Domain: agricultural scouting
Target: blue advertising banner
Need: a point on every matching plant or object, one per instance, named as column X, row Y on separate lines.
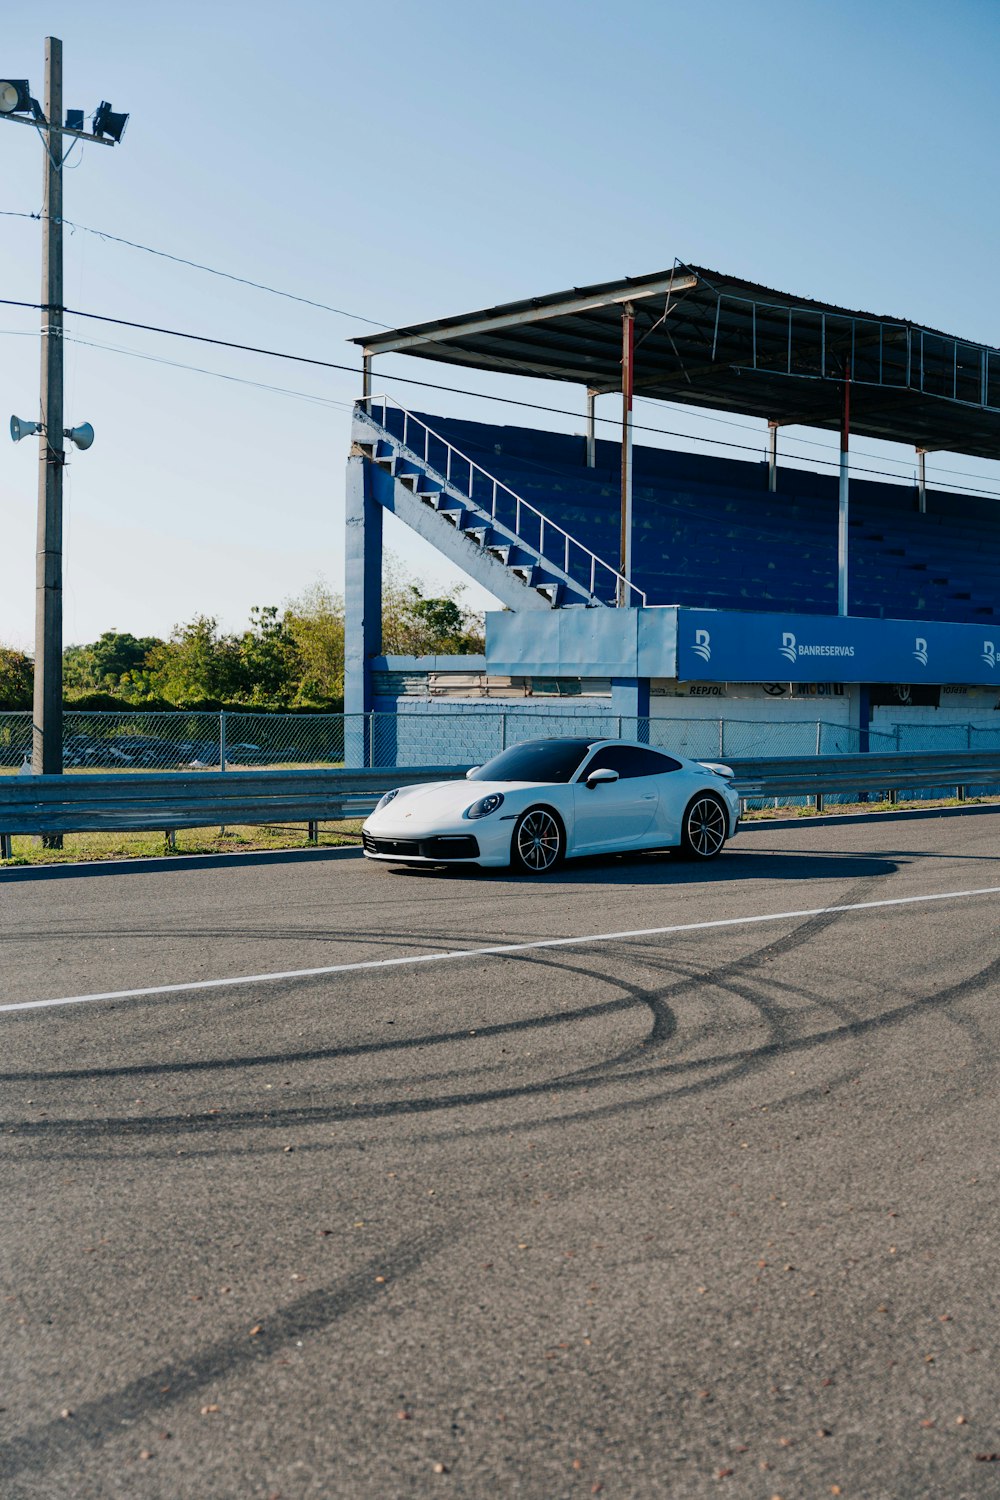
column 729, row 646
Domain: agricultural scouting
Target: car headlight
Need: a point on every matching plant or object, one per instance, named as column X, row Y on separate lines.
column 384, row 801
column 485, row 805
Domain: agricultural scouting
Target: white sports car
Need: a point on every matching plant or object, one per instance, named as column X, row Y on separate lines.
column 537, row 803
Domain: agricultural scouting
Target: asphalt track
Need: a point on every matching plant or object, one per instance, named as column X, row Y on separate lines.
column 696, row 1212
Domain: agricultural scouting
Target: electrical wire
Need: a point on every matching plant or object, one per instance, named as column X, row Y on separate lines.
column 326, row 364
column 341, row 312
column 180, row 260
column 259, row 385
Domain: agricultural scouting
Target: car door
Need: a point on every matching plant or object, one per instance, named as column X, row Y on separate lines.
column 615, row 814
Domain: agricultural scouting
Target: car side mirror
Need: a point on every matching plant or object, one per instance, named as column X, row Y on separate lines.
column 471, row 772
column 601, row 775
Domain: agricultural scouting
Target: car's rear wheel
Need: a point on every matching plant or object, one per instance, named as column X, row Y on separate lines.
column 538, row 844
column 705, row 827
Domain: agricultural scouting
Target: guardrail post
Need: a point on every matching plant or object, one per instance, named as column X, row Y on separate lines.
column 170, row 837
column 222, row 739
column 819, row 802
column 892, row 797
column 5, row 846
column 312, row 833
column 960, row 793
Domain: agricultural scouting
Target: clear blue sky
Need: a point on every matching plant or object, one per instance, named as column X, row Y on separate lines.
column 404, row 161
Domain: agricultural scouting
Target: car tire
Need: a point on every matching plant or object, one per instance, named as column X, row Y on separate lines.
column 538, row 843
column 704, row 828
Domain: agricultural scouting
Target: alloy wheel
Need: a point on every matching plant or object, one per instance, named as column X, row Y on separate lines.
column 538, row 841
column 706, row 827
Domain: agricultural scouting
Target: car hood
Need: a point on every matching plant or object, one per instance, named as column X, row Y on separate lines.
column 430, row 802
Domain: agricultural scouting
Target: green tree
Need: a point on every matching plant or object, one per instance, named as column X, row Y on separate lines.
column 113, row 663
column 415, row 625
column 196, row 663
column 270, row 666
column 315, row 619
column 17, row 676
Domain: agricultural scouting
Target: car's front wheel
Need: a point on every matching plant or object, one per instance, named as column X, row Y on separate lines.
column 538, row 844
column 705, row 828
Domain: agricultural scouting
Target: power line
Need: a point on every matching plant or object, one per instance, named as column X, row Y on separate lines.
column 358, row 317
column 326, row 364
column 196, row 265
column 155, row 359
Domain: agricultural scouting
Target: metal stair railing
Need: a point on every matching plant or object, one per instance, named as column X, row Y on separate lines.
column 623, row 587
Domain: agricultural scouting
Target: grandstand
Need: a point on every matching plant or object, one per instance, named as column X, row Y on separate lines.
column 639, row 575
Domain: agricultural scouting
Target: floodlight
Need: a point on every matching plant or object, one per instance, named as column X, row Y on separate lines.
column 82, row 436
column 74, row 119
column 15, row 96
column 19, row 428
column 106, row 122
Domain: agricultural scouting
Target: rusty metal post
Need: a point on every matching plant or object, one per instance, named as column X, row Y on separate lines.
column 628, row 375
column 922, row 480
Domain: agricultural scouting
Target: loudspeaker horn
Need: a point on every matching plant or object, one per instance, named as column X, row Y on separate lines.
column 82, row 436
column 19, row 429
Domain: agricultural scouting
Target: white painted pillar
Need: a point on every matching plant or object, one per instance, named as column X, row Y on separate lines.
column 842, row 540
column 628, row 359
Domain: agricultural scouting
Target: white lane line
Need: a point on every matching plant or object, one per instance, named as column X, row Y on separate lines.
column 499, row 948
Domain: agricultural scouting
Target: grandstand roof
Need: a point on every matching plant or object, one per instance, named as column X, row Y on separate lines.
column 717, row 341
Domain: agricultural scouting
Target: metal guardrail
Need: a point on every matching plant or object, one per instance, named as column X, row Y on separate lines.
column 45, row 805
column 139, row 802
column 824, row 775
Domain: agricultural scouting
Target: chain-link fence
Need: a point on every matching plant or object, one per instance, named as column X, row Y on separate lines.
column 179, row 740
column 176, row 741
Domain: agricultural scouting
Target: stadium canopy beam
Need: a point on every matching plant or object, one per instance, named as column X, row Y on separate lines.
column 732, row 345
column 520, row 314
column 737, row 346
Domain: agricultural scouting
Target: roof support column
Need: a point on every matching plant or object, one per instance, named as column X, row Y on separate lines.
column 845, row 434
column 591, row 432
column 922, row 480
column 366, row 376
column 772, row 458
column 628, row 376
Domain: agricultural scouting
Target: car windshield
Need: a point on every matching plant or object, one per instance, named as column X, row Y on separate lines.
column 535, row 760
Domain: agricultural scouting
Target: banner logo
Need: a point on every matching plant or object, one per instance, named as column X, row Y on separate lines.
column 702, row 645
column 989, row 654
column 793, row 650
column 920, row 650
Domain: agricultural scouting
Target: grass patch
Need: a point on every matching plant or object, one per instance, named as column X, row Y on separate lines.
column 762, row 814
column 77, row 847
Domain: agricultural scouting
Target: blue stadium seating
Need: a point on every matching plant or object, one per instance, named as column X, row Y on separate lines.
column 708, row 533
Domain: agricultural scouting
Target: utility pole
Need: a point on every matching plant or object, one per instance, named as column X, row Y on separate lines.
column 18, row 106
column 47, row 735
